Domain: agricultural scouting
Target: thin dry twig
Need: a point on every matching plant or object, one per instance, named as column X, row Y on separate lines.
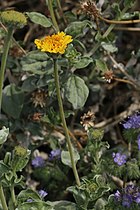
column 131, row 29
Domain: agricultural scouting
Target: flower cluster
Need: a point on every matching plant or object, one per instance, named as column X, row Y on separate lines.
column 38, row 161
column 132, row 122
column 119, row 158
column 55, row 154
column 57, row 43
column 128, row 196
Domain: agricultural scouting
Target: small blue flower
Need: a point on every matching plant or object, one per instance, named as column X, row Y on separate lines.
column 38, row 162
column 127, row 200
column 132, row 122
column 119, row 158
column 137, row 199
column 117, row 195
column 29, row 200
column 55, row 154
column 128, row 195
column 42, row 193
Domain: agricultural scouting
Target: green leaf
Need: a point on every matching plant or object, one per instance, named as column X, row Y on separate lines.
column 129, row 3
column 36, row 55
column 101, row 65
column 29, row 84
column 82, row 62
column 116, row 8
column 24, row 195
column 3, row 168
column 12, row 101
column 39, row 18
column 76, row 29
column 109, row 47
column 3, row 134
column 35, row 68
column 81, row 197
column 35, row 205
column 129, row 16
column 36, row 62
column 65, row 157
column 63, row 205
column 76, row 91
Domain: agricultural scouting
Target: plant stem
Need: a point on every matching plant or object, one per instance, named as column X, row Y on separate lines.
column 118, row 21
column 50, row 6
column 2, row 198
column 13, row 196
column 61, row 11
column 4, row 59
column 62, row 115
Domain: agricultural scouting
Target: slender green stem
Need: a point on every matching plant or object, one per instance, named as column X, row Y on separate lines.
column 2, row 198
column 62, row 115
column 50, row 6
column 4, row 59
column 13, row 196
column 61, row 11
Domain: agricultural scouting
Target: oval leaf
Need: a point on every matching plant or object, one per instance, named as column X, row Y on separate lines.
column 75, row 29
column 83, row 62
column 12, row 101
column 3, row 168
column 3, row 134
column 40, row 19
column 76, row 91
column 65, row 157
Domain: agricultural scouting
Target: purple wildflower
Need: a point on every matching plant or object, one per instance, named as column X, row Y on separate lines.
column 29, row 200
column 55, row 154
column 38, row 162
column 119, row 158
column 128, row 195
column 132, row 122
column 137, row 199
column 117, row 195
column 138, row 141
column 42, row 193
column 127, row 200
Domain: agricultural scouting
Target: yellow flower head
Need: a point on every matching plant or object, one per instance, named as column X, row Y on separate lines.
column 57, row 43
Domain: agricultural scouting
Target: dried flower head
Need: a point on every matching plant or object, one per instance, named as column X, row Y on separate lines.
column 39, row 98
column 108, row 76
column 87, row 120
column 56, row 43
column 13, row 18
column 90, row 8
